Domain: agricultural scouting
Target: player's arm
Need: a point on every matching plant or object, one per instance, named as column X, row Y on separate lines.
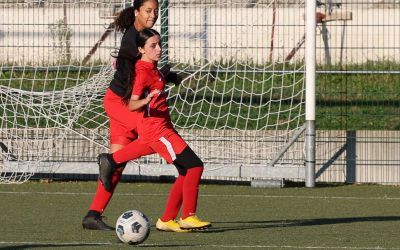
column 135, row 103
column 169, row 75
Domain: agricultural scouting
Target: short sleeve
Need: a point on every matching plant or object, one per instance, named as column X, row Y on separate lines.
column 139, row 83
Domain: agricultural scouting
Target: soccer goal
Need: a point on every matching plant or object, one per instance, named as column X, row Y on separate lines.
column 242, row 105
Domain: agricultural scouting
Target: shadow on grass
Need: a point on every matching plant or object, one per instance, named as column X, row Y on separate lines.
column 52, row 245
column 294, row 184
column 248, row 225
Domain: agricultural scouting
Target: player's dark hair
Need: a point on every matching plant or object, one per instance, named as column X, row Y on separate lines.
column 126, row 17
column 144, row 35
column 141, row 40
column 131, row 80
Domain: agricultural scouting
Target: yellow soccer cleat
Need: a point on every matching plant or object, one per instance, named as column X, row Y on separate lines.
column 193, row 222
column 170, row 226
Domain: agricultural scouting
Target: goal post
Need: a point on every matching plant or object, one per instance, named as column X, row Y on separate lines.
column 310, row 92
column 245, row 108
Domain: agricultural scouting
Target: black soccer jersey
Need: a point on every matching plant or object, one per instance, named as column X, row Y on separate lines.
column 125, row 62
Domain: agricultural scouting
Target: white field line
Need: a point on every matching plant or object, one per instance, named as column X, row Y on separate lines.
column 299, row 247
column 296, row 247
column 213, row 195
column 200, row 245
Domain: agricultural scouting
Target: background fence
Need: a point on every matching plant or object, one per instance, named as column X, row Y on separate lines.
column 361, row 89
column 358, row 58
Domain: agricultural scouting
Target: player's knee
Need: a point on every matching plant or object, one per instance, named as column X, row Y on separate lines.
column 181, row 170
column 121, row 167
column 188, row 159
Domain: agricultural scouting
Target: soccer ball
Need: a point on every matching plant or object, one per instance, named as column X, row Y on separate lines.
column 133, row 227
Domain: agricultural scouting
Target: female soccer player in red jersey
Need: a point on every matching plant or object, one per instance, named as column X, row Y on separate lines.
column 156, row 131
column 130, row 21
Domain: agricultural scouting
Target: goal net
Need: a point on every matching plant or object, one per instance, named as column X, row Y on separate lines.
column 240, row 106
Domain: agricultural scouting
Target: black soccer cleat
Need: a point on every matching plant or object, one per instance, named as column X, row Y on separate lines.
column 106, row 170
column 95, row 223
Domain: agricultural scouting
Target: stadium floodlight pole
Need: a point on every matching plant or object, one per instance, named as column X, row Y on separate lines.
column 310, row 92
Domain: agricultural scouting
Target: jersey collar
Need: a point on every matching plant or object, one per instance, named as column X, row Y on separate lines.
column 147, row 65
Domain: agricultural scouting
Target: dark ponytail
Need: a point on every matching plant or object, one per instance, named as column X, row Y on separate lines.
column 131, row 79
column 125, row 19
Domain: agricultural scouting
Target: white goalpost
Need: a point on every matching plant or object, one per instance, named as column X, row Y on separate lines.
column 310, row 93
column 245, row 107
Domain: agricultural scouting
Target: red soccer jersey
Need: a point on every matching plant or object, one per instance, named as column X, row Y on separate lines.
column 156, row 121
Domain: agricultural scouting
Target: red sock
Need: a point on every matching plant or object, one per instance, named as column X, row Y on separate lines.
column 174, row 200
column 102, row 197
column 191, row 191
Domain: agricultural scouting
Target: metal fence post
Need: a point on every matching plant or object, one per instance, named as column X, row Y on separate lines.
column 164, row 4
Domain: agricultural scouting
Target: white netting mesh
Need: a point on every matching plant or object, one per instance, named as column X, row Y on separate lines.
column 238, row 117
column 36, row 123
column 239, row 104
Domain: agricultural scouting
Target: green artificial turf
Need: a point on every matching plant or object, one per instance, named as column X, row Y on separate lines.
column 37, row 215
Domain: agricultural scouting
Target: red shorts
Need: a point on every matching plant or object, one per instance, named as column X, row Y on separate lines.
column 169, row 146
column 123, row 122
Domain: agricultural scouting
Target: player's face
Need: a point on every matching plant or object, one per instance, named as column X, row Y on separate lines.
column 151, row 52
column 147, row 15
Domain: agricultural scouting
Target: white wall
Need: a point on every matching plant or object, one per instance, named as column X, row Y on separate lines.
column 242, row 33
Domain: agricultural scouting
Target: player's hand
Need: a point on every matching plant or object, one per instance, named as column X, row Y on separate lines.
column 169, row 75
column 114, row 63
column 174, row 78
column 151, row 95
column 320, row 17
column 165, row 70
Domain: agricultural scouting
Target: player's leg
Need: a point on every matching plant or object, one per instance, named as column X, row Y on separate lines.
column 122, row 124
column 167, row 222
column 185, row 189
column 120, row 136
column 174, row 201
column 190, row 190
column 93, row 219
column 109, row 163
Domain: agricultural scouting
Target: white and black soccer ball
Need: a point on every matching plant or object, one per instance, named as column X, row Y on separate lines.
column 133, row 227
